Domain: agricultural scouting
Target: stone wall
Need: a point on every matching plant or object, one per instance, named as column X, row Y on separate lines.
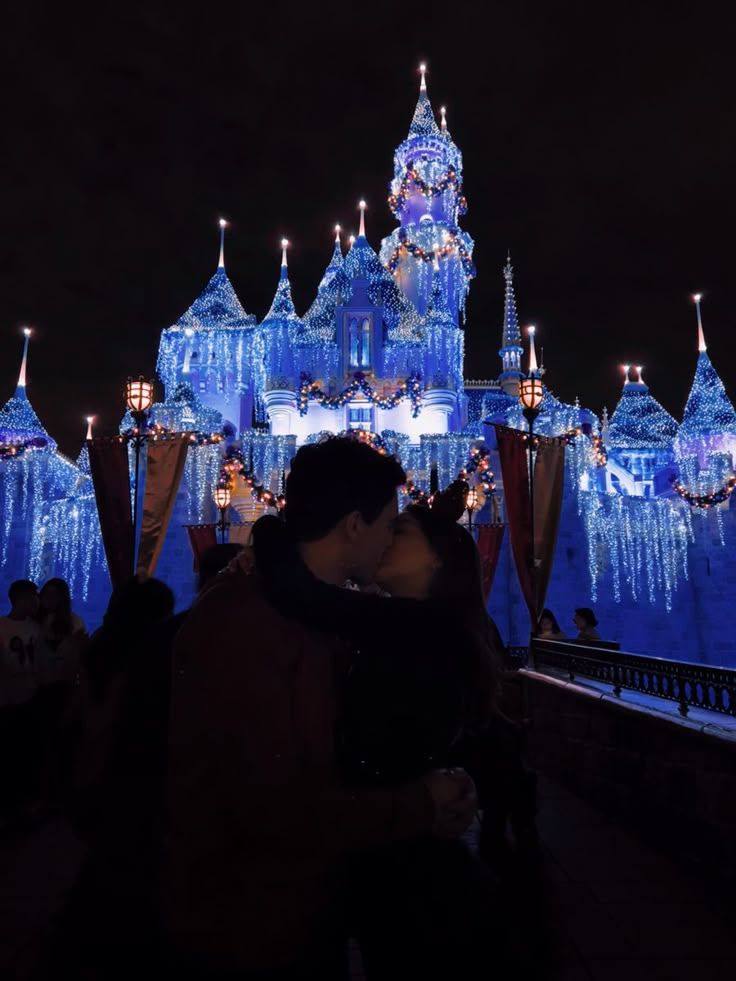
column 671, row 780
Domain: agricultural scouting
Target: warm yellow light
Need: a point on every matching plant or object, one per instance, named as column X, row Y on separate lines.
column 221, row 497
column 139, row 394
column 531, row 392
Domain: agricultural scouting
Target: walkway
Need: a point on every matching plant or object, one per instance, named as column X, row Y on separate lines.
column 615, row 908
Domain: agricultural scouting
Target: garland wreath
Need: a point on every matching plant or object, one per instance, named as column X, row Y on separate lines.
column 11, row 451
column 234, row 465
column 312, row 391
column 478, row 464
column 453, row 242
column 397, row 201
column 705, row 501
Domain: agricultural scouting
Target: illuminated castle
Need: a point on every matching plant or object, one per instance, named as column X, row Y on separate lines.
column 381, row 348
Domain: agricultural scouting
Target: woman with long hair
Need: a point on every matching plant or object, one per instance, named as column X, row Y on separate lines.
column 428, row 907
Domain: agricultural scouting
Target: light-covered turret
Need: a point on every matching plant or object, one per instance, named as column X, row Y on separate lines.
column 426, row 196
column 639, row 436
column 211, row 347
column 19, row 424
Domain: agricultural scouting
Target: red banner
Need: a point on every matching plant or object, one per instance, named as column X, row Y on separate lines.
column 490, row 539
column 201, row 537
column 515, row 475
column 533, row 563
column 165, row 460
column 108, row 462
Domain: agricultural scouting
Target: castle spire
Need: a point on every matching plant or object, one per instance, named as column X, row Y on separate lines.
column 223, row 226
column 423, row 122
column 702, row 346
column 361, row 230
column 20, row 390
column 284, row 262
column 511, row 346
column 89, row 420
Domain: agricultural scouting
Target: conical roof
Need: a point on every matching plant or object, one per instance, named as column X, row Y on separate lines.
column 639, row 421
column 511, row 331
column 19, row 422
column 423, row 122
column 216, row 308
column 708, row 411
column 282, row 310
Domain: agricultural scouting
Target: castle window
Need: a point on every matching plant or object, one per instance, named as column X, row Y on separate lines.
column 360, row 417
column 359, row 343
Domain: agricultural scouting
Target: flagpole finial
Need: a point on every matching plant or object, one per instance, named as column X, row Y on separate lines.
column 639, row 369
column 361, row 230
column 423, row 73
column 338, row 229
column 702, row 346
column 351, row 240
column 284, row 247
column 89, row 420
column 626, row 369
column 223, row 226
column 443, row 124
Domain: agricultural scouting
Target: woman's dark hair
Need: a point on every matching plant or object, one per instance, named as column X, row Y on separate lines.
column 457, row 591
column 330, row 479
column 61, row 623
column 587, row 614
column 549, row 615
column 135, row 608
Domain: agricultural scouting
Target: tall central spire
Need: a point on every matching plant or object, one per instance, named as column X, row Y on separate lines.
column 423, row 122
column 221, row 261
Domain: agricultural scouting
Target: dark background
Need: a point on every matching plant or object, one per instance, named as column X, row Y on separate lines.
column 598, row 143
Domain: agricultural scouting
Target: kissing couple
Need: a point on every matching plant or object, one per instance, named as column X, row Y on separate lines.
column 317, row 787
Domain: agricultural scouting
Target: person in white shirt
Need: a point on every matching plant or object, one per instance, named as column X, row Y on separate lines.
column 19, row 645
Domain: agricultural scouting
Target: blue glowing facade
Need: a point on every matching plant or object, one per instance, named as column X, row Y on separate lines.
column 381, row 348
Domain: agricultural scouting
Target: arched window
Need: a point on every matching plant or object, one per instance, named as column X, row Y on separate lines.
column 359, row 343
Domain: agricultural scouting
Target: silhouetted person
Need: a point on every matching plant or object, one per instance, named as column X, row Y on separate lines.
column 20, row 667
column 115, row 798
column 548, row 628
column 586, row 622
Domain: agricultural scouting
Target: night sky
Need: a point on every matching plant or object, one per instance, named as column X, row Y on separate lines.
column 601, row 152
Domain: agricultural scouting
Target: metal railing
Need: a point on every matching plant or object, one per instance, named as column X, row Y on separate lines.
column 691, row 685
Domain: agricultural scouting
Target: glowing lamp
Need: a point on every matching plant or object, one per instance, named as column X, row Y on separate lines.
column 26, row 331
column 531, row 392
column 139, row 394
column 221, row 497
column 223, row 223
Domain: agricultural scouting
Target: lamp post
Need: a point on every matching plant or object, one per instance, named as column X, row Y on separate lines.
column 139, row 399
column 472, row 503
column 531, row 393
column 221, row 497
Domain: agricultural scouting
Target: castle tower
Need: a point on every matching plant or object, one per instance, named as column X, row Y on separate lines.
column 709, row 421
column 640, row 433
column 511, row 347
column 426, row 196
column 211, row 347
column 19, row 423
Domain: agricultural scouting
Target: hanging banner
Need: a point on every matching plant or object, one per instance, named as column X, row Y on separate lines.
column 490, row 539
column 165, row 460
column 108, row 462
column 512, row 453
column 201, row 537
column 533, row 566
column 549, row 474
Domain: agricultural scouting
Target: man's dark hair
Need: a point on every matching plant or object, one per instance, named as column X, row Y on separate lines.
column 331, row 478
column 21, row 587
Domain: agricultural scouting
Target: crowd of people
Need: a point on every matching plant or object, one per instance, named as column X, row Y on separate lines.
column 293, row 763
